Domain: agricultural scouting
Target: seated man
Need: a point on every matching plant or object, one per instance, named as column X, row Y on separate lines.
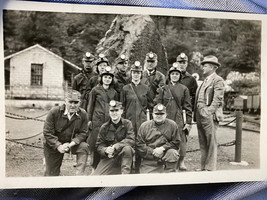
column 65, row 130
column 115, row 143
column 158, row 143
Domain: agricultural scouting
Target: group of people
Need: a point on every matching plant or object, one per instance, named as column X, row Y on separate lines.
column 135, row 120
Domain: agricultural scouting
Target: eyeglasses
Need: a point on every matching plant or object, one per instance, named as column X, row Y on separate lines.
column 182, row 62
column 159, row 113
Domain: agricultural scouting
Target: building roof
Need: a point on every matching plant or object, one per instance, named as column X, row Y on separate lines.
column 46, row 50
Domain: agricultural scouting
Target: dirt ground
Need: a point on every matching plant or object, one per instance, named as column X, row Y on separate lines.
column 27, row 161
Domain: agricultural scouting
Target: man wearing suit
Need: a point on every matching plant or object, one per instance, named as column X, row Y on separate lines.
column 208, row 112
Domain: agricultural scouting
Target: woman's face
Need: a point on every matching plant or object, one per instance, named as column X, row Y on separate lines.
column 175, row 76
column 136, row 75
column 106, row 79
column 101, row 67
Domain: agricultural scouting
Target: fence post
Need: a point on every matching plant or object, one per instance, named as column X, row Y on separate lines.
column 238, row 136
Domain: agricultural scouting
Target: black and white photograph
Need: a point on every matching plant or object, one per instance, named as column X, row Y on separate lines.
column 100, row 96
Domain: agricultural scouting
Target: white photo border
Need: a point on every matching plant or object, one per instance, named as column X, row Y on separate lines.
column 135, row 179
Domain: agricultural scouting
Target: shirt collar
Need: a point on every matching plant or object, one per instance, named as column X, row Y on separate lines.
column 66, row 112
column 150, row 72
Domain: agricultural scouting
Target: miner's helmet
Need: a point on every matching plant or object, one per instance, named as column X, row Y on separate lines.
column 101, row 58
column 108, row 71
column 175, row 67
column 88, row 57
column 151, row 57
column 113, row 105
column 159, row 109
column 182, row 57
column 136, row 67
column 122, row 59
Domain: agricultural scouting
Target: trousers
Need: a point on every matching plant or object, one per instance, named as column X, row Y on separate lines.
column 53, row 158
column 207, row 128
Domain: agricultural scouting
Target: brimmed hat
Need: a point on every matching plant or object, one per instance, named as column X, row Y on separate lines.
column 102, row 58
column 211, row 59
column 73, row 95
column 88, row 57
column 182, row 57
column 108, row 71
column 151, row 57
column 136, row 67
column 159, row 109
column 122, row 59
column 115, row 104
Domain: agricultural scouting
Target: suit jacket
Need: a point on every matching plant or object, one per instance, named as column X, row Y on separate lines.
column 213, row 97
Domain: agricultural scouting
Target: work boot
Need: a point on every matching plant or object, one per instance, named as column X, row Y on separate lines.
column 170, row 167
column 181, row 165
column 81, row 163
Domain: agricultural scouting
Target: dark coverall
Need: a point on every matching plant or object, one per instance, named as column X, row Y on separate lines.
column 123, row 137
column 175, row 102
column 98, row 112
column 190, row 82
column 122, row 80
column 80, row 83
column 150, row 136
column 75, row 130
column 153, row 81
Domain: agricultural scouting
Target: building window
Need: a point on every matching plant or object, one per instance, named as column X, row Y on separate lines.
column 37, row 74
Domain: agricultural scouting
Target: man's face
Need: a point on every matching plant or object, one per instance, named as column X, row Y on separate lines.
column 159, row 117
column 87, row 65
column 72, row 106
column 101, row 67
column 115, row 113
column 122, row 67
column 175, row 76
column 151, row 65
column 183, row 65
column 208, row 69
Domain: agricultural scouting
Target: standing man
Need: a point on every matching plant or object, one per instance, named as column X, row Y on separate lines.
column 115, row 143
column 65, row 130
column 187, row 79
column 158, row 143
column 81, row 80
column 190, row 82
column 122, row 75
column 151, row 77
column 208, row 111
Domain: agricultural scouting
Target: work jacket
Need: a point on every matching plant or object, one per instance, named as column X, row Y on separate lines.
column 153, row 81
column 109, row 135
column 56, row 122
column 136, row 99
column 176, row 98
column 150, row 136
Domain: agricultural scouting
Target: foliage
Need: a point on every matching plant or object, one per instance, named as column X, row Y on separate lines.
column 236, row 43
